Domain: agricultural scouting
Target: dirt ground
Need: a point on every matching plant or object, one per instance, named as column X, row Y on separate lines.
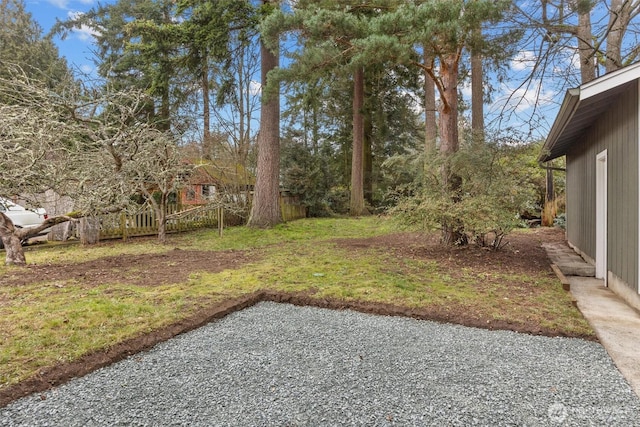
column 143, row 270
column 523, row 254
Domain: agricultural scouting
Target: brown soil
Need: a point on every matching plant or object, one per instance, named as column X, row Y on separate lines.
column 144, row 270
column 523, row 254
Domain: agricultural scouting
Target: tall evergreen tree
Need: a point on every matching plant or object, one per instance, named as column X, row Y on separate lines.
column 265, row 209
column 477, row 91
column 356, row 205
column 431, row 127
column 22, row 44
column 139, row 45
column 217, row 36
column 444, row 29
column 327, row 30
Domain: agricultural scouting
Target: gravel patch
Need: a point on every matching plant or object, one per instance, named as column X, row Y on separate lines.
column 282, row 365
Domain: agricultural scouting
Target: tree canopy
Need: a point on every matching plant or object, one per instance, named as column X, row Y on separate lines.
column 361, row 83
column 23, row 44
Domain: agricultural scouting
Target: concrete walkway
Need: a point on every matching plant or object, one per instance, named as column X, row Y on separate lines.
column 616, row 324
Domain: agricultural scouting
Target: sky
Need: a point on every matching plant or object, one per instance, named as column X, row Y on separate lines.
column 76, row 48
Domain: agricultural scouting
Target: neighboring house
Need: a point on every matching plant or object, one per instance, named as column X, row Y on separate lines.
column 597, row 129
column 209, row 179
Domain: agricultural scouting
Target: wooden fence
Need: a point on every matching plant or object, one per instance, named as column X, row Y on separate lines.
column 145, row 223
column 290, row 207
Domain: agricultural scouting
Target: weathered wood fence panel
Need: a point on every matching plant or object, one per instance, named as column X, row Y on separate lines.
column 291, row 212
column 291, row 208
column 144, row 222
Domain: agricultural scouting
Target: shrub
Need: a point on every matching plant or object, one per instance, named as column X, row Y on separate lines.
column 560, row 221
column 491, row 189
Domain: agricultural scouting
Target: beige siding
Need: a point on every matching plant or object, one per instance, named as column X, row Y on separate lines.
column 617, row 132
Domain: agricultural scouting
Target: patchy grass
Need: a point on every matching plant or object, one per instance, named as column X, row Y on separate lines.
column 311, row 230
column 53, row 321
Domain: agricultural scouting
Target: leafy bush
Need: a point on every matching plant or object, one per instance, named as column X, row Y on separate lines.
column 560, row 221
column 492, row 187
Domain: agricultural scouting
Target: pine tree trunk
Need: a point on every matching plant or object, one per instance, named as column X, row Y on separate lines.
column 431, row 132
column 449, row 143
column 477, row 97
column 586, row 54
column 368, row 159
column 244, row 115
column 207, row 147
column 356, row 205
column 265, row 210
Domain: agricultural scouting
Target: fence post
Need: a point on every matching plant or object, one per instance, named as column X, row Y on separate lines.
column 220, row 221
column 123, row 225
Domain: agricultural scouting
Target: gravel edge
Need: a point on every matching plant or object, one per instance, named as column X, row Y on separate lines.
column 279, row 364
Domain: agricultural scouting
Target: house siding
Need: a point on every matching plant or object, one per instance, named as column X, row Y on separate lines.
column 616, row 130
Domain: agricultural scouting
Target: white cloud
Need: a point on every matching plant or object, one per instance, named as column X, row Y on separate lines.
column 523, row 60
column 465, row 89
column 255, row 88
column 62, row 4
column 572, row 63
column 86, row 69
column 575, row 60
column 84, row 33
column 523, row 98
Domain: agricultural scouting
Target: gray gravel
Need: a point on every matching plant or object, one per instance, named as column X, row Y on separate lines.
column 281, row 365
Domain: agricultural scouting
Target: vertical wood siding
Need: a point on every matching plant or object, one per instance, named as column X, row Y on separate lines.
column 616, row 130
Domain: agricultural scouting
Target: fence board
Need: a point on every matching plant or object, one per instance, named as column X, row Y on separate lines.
column 144, row 222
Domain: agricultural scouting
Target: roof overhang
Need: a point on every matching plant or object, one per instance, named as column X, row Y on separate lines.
column 580, row 108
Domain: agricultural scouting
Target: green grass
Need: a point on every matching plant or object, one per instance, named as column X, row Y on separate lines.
column 46, row 323
column 312, row 230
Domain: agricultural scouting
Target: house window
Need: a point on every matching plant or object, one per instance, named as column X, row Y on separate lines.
column 208, row 190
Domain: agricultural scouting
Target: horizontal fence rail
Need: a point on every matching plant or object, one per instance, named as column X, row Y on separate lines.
column 144, row 222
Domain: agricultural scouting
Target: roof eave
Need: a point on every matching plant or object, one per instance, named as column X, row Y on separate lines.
column 565, row 114
column 567, row 125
